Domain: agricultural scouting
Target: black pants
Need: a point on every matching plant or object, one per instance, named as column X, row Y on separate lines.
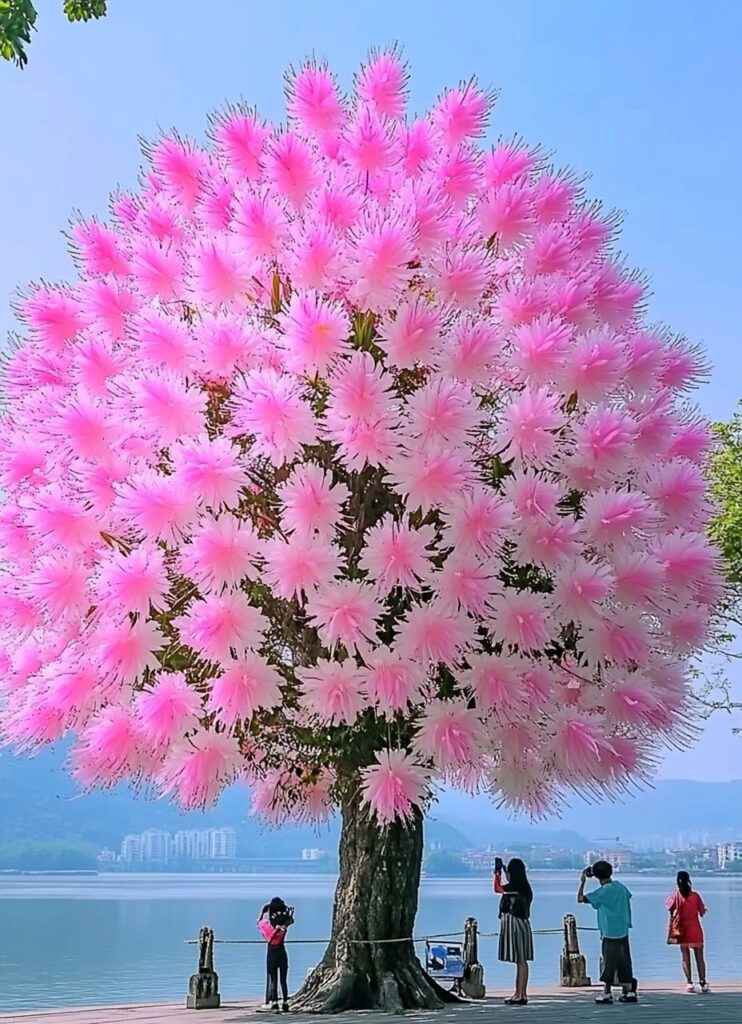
column 617, row 966
column 277, row 965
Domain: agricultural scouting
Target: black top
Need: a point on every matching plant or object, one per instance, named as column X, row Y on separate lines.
column 516, row 903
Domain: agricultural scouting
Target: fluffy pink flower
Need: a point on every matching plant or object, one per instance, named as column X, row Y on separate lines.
column 270, row 408
column 53, row 315
column 540, row 347
column 245, row 685
column 610, row 516
column 239, row 136
column 220, row 625
column 311, row 503
column 220, row 272
column 169, row 711
column 160, row 507
column 210, row 470
column 521, row 618
column 476, row 521
column 313, row 100
column 395, row 555
column 687, row 559
column 391, row 681
column 471, row 350
column 300, row 565
column 413, row 335
column 261, row 223
column 443, row 411
column 59, row 584
column 495, row 681
column 380, row 260
column 530, row 423
column 594, row 365
column 432, row 633
column 333, row 691
column 580, row 588
column 382, row 83
column 579, row 747
column 168, row 408
column 314, row 332
column 197, row 772
column 463, row 113
column 131, row 582
column 464, row 583
column 289, row 164
column 359, row 391
column 449, row 733
column 638, row 576
column 221, row 553
column 430, row 478
column 125, row 651
column 394, row 788
column 344, row 612
column 108, row 749
column 678, row 489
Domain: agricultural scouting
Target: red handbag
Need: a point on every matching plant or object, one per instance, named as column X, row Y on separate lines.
column 674, row 931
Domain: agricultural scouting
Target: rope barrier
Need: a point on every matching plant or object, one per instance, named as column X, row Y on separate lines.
column 379, row 942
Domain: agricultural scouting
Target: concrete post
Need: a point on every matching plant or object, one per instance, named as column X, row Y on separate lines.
column 573, row 963
column 472, row 984
column 203, row 988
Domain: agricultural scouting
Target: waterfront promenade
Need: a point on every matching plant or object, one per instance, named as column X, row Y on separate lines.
column 658, row 1005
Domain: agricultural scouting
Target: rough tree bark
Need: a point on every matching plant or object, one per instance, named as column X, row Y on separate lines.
column 376, row 899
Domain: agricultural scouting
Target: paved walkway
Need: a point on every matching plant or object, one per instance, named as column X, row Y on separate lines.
column 554, row 1006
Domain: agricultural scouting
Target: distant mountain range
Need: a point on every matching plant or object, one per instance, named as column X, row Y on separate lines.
column 39, row 801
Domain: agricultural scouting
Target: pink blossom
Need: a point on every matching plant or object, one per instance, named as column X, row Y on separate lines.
column 332, row 691
column 391, row 681
column 108, row 749
column 311, row 503
column 239, row 136
column 413, row 335
column 396, row 555
column 610, row 516
column 530, row 423
column 132, row 582
column 160, row 507
column 495, row 681
column 314, row 101
column 382, row 82
column 270, row 408
column 429, row 478
column 210, row 470
column 289, row 162
column 580, row 589
column 221, row 624
column 314, row 332
column 432, row 633
column 344, row 612
column 246, row 684
column 125, row 650
column 450, row 734
column 59, row 584
column 506, row 212
column 540, row 348
column 476, row 521
column 463, row 113
column 443, row 411
column 379, row 259
column 521, row 619
column 299, row 566
column 261, row 223
column 395, row 787
column 195, row 773
column 168, row 408
column 169, row 711
column 464, row 583
column 221, row 553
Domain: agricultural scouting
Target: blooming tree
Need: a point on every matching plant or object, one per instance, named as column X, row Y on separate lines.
column 348, row 467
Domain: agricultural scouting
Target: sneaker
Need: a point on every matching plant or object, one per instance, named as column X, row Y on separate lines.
column 604, row 1000
column 705, row 988
column 630, row 997
column 275, row 1008
column 285, row 1008
column 690, row 989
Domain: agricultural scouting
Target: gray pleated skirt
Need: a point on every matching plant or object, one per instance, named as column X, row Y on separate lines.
column 516, row 940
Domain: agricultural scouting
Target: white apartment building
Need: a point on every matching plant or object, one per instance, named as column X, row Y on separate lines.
column 312, row 853
column 131, row 849
column 222, row 844
column 728, row 853
column 155, row 846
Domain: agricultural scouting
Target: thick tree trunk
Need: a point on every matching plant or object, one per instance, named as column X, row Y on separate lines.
column 375, row 900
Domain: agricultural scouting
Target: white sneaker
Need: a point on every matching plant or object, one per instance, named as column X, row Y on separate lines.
column 705, row 988
column 690, row 989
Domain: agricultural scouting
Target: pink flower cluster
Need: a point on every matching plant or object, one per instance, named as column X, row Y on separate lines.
column 364, row 373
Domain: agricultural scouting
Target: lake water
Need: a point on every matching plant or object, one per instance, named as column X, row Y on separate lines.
column 120, row 938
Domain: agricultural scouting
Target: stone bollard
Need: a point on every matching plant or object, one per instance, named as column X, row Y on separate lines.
column 573, row 963
column 472, row 984
column 203, row 988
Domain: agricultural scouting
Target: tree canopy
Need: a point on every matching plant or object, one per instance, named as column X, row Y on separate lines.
column 18, row 20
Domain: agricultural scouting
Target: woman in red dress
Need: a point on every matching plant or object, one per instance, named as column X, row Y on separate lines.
column 688, row 907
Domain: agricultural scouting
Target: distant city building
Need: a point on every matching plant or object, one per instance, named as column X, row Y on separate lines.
column 107, row 856
column 155, row 846
column 223, row 844
column 312, row 853
column 619, row 856
column 131, row 849
column 728, row 853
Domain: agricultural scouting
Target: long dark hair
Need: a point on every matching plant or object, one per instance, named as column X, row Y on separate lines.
column 684, row 885
column 518, row 879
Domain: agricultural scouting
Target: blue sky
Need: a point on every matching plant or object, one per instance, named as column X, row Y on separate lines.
column 642, row 96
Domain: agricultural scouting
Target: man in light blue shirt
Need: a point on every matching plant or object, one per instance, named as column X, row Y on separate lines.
column 613, row 904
